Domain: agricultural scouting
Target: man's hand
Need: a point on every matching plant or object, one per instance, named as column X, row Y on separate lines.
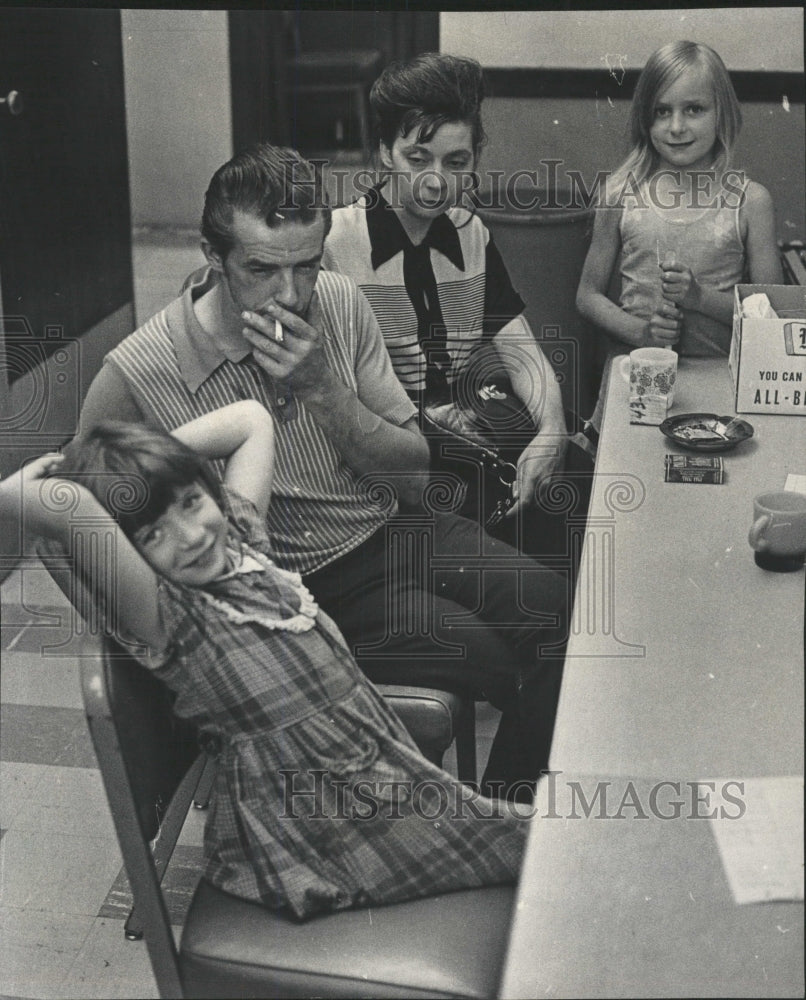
column 538, row 461
column 367, row 442
column 299, row 359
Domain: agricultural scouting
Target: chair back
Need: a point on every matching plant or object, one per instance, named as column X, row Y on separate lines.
column 449, row 946
column 544, row 249
column 144, row 754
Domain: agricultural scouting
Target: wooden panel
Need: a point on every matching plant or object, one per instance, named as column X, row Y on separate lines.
column 261, row 41
column 65, row 243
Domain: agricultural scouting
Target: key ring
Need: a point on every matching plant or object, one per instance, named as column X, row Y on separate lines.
column 507, row 473
column 499, row 512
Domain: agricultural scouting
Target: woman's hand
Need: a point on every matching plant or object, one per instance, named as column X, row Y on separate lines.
column 538, row 461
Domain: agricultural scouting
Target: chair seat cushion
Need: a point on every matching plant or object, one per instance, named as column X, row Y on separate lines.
column 443, row 946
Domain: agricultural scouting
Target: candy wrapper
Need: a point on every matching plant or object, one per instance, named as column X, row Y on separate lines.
column 694, row 469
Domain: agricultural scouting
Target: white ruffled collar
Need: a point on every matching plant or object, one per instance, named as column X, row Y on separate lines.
column 247, row 606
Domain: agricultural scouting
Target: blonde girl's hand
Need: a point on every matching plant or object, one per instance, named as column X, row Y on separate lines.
column 664, row 327
column 680, row 286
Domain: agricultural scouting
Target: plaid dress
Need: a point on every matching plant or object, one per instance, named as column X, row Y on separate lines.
column 322, row 800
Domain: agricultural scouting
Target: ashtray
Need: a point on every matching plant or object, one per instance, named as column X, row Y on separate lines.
column 706, row 431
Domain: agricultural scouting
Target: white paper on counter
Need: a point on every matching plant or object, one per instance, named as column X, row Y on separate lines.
column 761, row 850
column 795, row 483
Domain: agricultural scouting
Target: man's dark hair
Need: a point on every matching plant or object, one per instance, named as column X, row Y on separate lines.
column 271, row 182
column 425, row 93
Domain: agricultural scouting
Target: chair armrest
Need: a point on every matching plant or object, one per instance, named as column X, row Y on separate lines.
column 431, row 716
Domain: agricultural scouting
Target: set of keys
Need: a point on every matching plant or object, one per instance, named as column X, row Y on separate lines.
column 499, row 512
column 507, row 476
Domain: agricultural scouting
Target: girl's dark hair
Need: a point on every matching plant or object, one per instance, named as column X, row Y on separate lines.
column 425, row 93
column 271, row 182
column 134, row 472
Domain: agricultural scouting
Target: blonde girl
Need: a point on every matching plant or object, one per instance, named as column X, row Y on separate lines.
column 680, row 223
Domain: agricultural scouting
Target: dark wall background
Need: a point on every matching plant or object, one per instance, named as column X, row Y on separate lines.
column 589, row 134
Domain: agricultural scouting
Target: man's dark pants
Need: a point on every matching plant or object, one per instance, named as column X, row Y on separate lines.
column 431, row 600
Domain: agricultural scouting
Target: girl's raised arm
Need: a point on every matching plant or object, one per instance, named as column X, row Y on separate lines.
column 32, row 506
column 242, row 432
column 763, row 261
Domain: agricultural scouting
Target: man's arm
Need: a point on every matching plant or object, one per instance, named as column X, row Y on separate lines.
column 108, row 398
column 367, row 442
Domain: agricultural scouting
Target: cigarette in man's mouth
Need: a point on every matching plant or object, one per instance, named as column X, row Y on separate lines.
column 278, row 331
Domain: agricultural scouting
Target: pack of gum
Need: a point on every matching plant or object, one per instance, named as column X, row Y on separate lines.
column 694, row 469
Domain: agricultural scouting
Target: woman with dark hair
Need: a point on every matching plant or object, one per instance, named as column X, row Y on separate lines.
column 452, row 321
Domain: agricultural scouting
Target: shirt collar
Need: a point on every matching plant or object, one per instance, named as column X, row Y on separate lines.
column 197, row 353
column 387, row 236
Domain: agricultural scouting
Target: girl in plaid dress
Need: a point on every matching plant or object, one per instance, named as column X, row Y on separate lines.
column 322, row 801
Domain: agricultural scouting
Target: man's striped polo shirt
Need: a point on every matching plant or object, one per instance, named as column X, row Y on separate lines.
column 171, row 370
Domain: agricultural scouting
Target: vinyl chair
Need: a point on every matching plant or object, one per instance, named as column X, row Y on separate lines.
column 201, row 796
column 434, row 718
column 445, row 946
column 545, row 249
column 793, row 261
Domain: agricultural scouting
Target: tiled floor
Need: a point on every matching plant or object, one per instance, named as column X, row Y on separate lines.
column 59, row 852
column 63, row 896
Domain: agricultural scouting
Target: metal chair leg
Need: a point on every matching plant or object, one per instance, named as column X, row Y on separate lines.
column 165, row 842
column 202, row 797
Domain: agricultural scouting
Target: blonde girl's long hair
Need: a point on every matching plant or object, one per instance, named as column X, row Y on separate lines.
column 663, row 67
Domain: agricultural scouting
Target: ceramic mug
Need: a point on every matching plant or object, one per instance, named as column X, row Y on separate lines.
column 778, row 533
column 651, row 372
